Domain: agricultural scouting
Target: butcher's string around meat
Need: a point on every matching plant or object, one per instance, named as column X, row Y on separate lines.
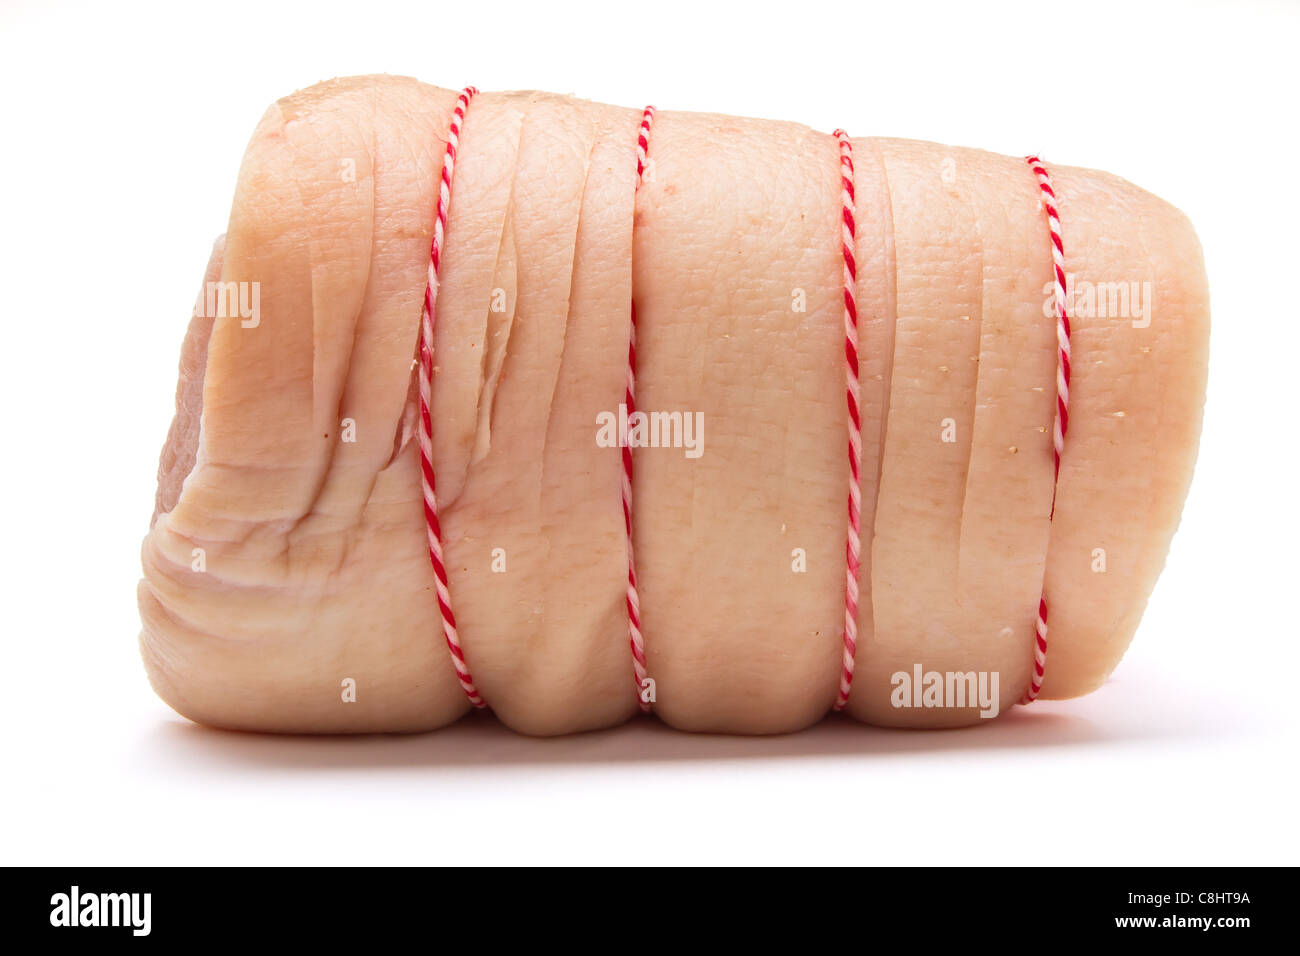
column 427, row 318
column 853, row 545
column 644, row 688
column 1062, row 422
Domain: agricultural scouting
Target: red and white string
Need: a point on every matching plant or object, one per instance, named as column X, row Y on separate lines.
column 853, row 544
column 639, row 671
column 1062, row 423
column 427, row 318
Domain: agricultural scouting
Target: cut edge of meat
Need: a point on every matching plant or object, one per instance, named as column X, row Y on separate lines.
column 179, row 451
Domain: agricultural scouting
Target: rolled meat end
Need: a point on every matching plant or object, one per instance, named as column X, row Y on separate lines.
column 287, row 586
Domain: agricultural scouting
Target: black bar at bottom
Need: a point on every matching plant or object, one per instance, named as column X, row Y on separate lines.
column 649, row 909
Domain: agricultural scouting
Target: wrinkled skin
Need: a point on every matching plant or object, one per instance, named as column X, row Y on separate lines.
column 315, row 562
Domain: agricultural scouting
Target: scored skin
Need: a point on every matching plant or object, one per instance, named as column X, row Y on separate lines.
column 973, row 348
column 316, row 566
column 1006, row 508
column 736, row 640
column 546, row 639
column 923, row 478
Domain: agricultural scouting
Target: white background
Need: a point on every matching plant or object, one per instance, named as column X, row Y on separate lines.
column 123, row 129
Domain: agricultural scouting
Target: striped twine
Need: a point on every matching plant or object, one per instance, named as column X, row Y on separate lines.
column 639, row 671
column 1062, row 423
column 853, row 544
column 427, row 317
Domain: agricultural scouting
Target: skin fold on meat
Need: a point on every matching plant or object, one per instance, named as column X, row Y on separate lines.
column 287, row 586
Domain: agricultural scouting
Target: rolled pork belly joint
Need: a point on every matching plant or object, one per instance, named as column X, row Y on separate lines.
column 287, row 582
